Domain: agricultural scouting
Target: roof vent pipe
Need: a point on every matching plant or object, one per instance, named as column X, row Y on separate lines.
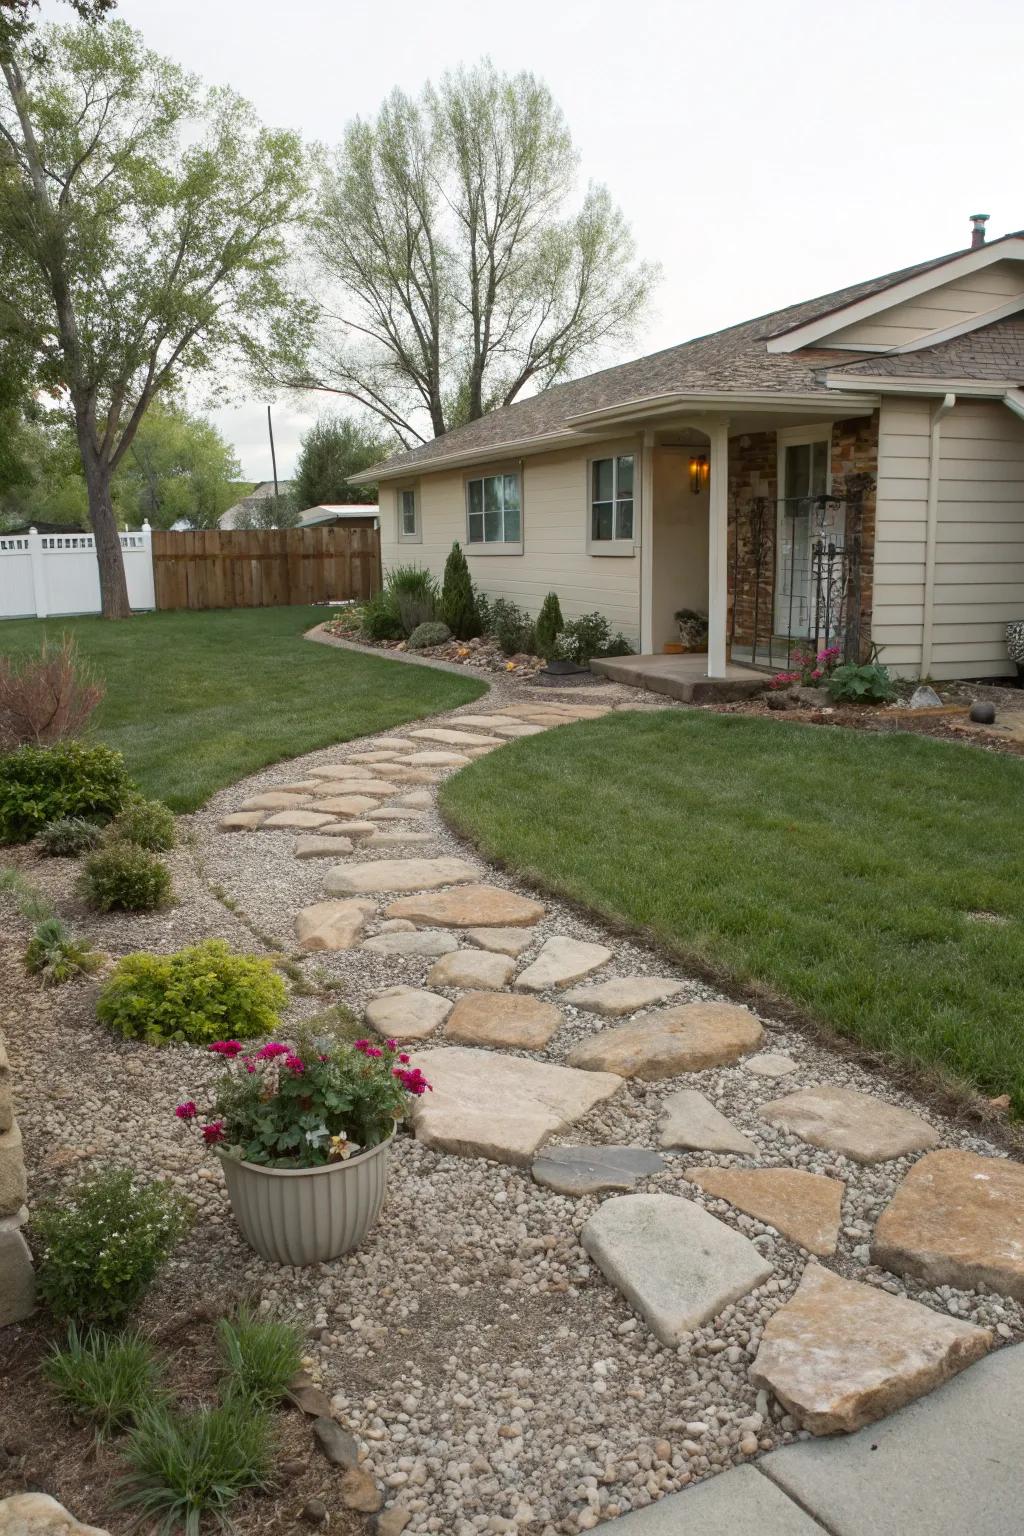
column 978, row 222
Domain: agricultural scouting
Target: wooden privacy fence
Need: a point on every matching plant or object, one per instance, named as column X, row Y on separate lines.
column 222, row 568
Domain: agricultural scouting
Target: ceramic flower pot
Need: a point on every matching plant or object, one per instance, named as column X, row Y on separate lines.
column 308, row 1215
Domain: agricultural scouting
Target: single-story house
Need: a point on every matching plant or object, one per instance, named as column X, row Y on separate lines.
column 850, row 468
column 262, row 491
column 340, row 514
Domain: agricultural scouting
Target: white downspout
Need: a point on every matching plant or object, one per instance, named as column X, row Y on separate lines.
column 943, row 408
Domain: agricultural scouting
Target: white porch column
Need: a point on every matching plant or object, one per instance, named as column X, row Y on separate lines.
column 718, row 547
column 647, row 543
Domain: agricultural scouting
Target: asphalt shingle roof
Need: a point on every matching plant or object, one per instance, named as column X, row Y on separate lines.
column 993, row 351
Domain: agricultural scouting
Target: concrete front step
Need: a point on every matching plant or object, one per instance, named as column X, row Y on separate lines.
column 682, row 677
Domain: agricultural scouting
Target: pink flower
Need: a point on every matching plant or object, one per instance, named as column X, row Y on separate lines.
column 412, row 1080
column 361, row 1045
column 268, row 1052
column 373, row 1050
column 226, row 1047
column 213, row 1132
column 405, row 1058
column 294, row 1064
column 392, row 1045
column 186, row 1111
column 250, row 1065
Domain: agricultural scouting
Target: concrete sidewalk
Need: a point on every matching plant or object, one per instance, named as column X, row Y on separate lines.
column 949, row 1465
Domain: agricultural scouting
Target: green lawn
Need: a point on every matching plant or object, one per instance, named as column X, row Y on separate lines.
column 831, row 868
column 198, row 700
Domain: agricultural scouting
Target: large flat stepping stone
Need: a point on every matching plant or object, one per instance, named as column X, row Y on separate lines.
column 456, row 738
column 842, row 1354
column 349, row 828
column 375, row 788
column 407, row 1013
column 321, row 847
column 471, row 907
column 391, row 838
column 589, row 1170
column 678, row 1265
column 378, row 755
column 298, row 820
column 275, row 800
column 398, row 875
column 624, row 994
column 501, row 1107
column 842, row 1120
column 331, row 924
column 502, row 1019
column 347, row 805
column 419, row 944
column 301, row 787
column 691, row 1123
column 957, row 1219
column 805, row 1207
column 241, row 821
column 394, row 813
column 520, row 728
column 485, row 722
column 503, row 941
column 338, row 771
column 560, row 961
column 471, row 968
column 439, row 759
column 417, row 799
column 770, row 1064
column 688, row 1038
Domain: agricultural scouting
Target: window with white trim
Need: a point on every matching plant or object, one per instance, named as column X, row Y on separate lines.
column 495, row 510
column 408, row 515
column 611, row 498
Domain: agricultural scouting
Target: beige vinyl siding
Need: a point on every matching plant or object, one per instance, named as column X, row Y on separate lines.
column 949, row 305
column 555, row 502
column 979, row 550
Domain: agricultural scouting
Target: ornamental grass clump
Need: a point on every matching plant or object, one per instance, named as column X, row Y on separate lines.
column 262, row 1356
column 105, row 1379
column 305, row 1105
column 193, row 996
column 55, row 955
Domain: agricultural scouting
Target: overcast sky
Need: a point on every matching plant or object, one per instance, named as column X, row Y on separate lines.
column 763, row 154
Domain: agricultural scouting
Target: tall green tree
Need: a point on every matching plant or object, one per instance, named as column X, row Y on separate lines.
column 459, row 272
column 334, row 448
column 149, row 221
column 178, row 468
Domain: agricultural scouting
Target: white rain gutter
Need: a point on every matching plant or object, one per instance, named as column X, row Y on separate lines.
column 943, row 408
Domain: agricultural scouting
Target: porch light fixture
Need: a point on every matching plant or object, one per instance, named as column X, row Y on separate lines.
column 698, row 473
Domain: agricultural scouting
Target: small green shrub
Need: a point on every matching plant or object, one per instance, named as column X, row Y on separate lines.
column 146, row 823
column 588, row 636
column 201, row 994
column 549, row 626
column 55, row 955
column 101, row 1249
column 865, row 683
column 107, row 1380
column 415, row 596
column 68, row 837
column 188, row 1464
column 511, row 627
column 458, row 597
column 122, row 877
column 434, row 633
column 33, row 906
column 261, row 1356
column 381, row 618
column 41, row 784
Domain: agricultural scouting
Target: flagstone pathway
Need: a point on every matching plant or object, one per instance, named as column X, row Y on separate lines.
column 553, row 1046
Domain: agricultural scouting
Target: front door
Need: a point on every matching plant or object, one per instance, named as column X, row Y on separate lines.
column 803, row 478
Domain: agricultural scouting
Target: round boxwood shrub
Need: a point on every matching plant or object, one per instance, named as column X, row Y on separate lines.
column 199, row 995
column 431, row 633
column 146, row 823
column 122, row 877
column 69, row 836
column 40, row 784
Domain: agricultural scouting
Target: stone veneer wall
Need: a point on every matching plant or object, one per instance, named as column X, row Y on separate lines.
column 753, row 470
column 17, row 1283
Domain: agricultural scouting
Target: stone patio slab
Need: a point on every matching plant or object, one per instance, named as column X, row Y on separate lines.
column 623, row 994
column 590, row 1170
column 691, row 1123
column 407, row 1013
column 805, row 1207
column 331, row 924
column 860, row 1126
column 501, row 1107
column 398, row 875
column 676, row 1263
column 472, row 906
column 740, row 1502
column 688, row 1038
column 560, row 961
column 502, row 1019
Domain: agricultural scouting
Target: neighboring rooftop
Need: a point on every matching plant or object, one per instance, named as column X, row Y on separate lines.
column 260, row 492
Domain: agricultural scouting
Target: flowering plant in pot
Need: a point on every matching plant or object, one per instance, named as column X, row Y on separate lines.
column 303, row 1132
column 693, row 629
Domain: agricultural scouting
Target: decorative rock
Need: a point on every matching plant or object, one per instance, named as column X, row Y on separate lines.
column 675, row 1262
column 407, row 1013
column 502, row 1019
column 519, row 728
column 17, row 1279
column 331, row 924
column 770, row 1064
column 501, row 1107
column 314, row 1512
column 472, row 907
column 690, row 1122
column 421, row 942
column 274, row 800
column 589, row 1170
column 957, row 1219
column 348, row 828
column 302, row 787
column 842, row 1354
column 503, row 941
column 298, row 819
column 688, row 1038
column 471, row 968
column 484, row 722
column 560, row 961
column 347, row 805
column 379, row 755
column 858, row 1125
column 337, row 1444
column 982, row 712
column 375, row 788
column 308, row 1398
column 624, row 994
column 439, row 759
column 12, row 1172
column 396, row 925
column 456, row 738
column 36, row 1514
column 393, row 1521
column 399, row 875
column 925, row 698
column 339, row 771
column 805, row 1207
column 321, row 847
column 360, row 1492
column 240, row 821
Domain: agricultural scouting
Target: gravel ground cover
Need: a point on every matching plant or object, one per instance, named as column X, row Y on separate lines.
column 496, row 1380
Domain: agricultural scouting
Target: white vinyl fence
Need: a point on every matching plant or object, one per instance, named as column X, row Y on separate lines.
column 50, row 574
